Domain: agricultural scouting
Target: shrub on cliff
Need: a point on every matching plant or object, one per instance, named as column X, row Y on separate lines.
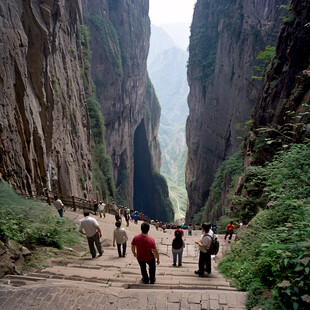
column 230, row 169
column 161, row 195
column 101, row 164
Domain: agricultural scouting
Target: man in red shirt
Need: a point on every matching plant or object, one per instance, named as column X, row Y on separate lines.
column 144, row 248
column 229, row 230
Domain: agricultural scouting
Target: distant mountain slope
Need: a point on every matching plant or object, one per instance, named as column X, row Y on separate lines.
column 160, row 41
column 179, row 32
column 167, row 70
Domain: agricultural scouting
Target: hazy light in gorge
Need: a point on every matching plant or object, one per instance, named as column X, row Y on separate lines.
column 171, row 11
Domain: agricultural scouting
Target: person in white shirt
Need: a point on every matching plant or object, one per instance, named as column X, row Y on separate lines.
column 59, row 206
column 204, row 243
column 101, row 209
column 90, row 228
column 120, row 236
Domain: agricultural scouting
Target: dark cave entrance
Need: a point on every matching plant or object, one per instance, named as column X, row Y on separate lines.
column 143, row 198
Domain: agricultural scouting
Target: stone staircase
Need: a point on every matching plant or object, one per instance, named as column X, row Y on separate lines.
column 121, row 277
column 125, row 272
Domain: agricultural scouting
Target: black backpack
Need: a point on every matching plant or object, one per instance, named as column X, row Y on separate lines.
column 215, row 245
column 177, row 242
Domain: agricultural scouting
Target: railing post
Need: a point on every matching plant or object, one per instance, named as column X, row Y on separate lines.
column 74, row 206
column 47, row 196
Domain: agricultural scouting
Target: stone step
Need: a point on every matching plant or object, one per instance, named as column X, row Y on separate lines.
column 156, row 286
column 110, row 270
column 125, row 283
column 118, row 277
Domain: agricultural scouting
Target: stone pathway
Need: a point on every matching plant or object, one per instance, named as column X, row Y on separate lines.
column 110, row 282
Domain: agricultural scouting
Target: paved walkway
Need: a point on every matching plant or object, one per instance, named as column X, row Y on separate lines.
column 110, row 282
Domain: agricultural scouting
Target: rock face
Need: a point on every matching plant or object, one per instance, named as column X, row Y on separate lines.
column 119, row 32
column 284, row 104
column 226, row 37
column 44, row 127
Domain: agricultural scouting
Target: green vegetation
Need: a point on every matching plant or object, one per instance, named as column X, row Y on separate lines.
column 245, row 207
column 205, row 35
column 271, row 260
column 243, row 128
column 113, row 4
column 179, row 192
column 101, row 163
column 230, row 169
column 162, row 196
column 175, row 176
column 85, row 49
column 266, row 56
column 122, row 188
column 290, row 13
column 30, row 222
column 110, row 40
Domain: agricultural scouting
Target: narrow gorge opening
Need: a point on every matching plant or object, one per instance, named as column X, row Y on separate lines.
column 143, row 180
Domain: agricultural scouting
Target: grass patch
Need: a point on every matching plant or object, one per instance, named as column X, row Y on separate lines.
column 32, row 223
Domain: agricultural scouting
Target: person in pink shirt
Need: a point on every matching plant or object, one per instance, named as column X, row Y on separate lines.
column 143, row 247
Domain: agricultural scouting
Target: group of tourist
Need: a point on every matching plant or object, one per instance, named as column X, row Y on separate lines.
column 143, row 246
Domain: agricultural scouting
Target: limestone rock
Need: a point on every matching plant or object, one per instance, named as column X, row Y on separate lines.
column 45, row 135
column 284, row 99
column 223, row 50
column 26, row 253
column 120, row 32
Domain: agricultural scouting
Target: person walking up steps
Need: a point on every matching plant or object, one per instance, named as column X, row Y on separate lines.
column 204, row 243
column 59, row 206
column 229, row 230
column 120, row 236
column 127, row 217
column 90, row 228
column 177, row 248
column 143, row 247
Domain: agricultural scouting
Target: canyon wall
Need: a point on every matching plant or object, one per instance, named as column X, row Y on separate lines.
column 50, row 108
column 282, row 115
column 226, row 37
column 44, row 122
column 119, row 39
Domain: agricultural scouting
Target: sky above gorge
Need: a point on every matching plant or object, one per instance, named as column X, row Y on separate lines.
column 175, row 17
column 171, row 11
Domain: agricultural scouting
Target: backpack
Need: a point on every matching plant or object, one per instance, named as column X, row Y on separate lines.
column 215, row 245
column 230, row 228
column 177, row 242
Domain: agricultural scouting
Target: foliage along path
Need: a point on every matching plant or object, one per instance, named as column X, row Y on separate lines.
column 110, row 282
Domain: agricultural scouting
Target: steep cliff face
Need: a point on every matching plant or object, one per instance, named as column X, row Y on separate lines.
column 226, row 37
column 44, row 127
column 282, row 115
column 119, row 32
